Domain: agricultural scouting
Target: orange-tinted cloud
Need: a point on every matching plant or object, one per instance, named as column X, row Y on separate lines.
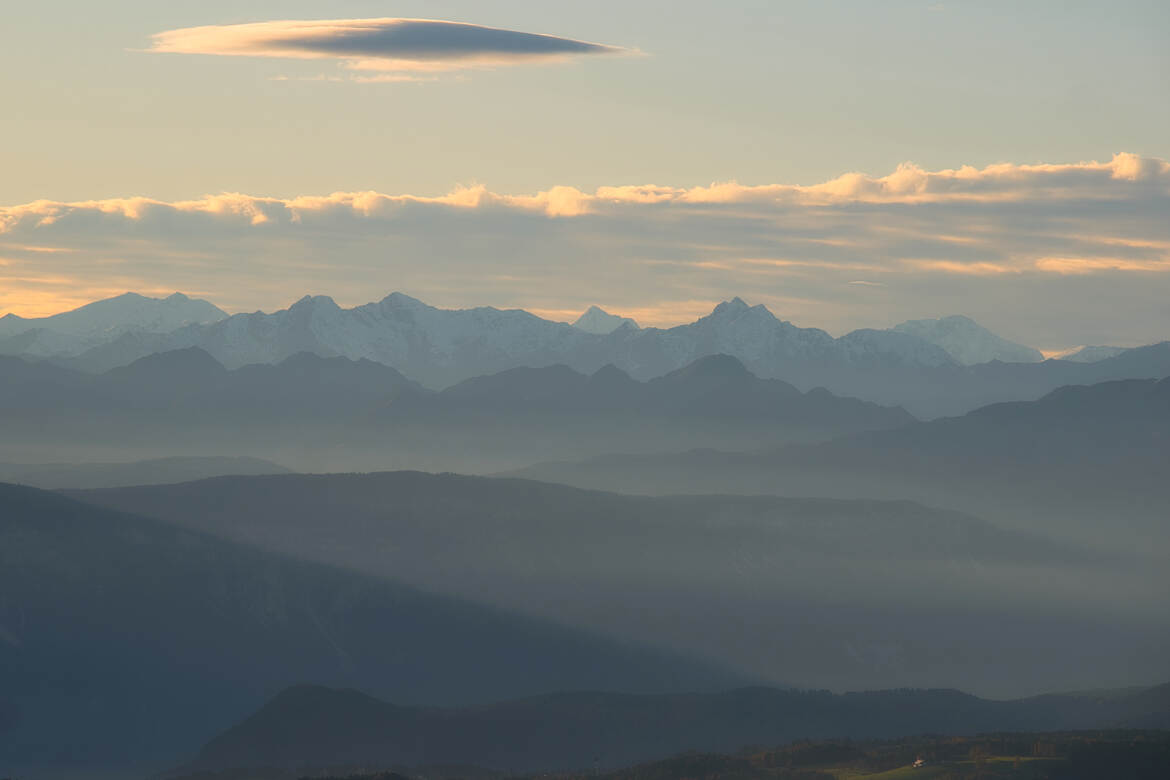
column 1088, row 265
column 1090, row 238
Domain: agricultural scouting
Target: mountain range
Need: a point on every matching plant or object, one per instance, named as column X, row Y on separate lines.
column 922, row 506
column 598, row 320
column 71, row 333
column 156, row 471
column 931, row 367
column 1083, row 462
column 441, row 347
column 843, row 594
column 125, row 643
column 328, row 413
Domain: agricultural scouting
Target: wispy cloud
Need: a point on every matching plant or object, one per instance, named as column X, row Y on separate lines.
column 1088, row 265
column 390, row 44
column 966, row 269
column 1052, row 254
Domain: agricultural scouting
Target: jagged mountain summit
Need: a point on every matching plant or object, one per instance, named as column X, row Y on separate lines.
column 70, row 333
column 925, row 371
column 440, row 347
column 968, row 342
column 598, row 320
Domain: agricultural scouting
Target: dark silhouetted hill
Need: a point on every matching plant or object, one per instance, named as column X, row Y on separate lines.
column 1084, row 462
column 311, row 726
column 822, row 592
column 158, row 471
column 333, row 413
column 125, row 642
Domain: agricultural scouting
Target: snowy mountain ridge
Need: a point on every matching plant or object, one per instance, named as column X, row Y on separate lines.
column 598, row 320
column 968, row 342
column 71, row 333
column 440, row 347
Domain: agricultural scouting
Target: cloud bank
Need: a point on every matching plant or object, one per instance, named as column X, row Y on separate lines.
column 1053, row 255
column 379, row 44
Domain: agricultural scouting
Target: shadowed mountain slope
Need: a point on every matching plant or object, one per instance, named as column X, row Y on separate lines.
column 337, row 414
column 819, row 592
column 125, row 642
column 159, row 471
column 1084, row 461
column 715, row 387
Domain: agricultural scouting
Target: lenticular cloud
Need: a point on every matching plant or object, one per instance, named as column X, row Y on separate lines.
column 379, row 44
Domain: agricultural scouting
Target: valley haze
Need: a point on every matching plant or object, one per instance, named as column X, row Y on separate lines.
column 644, row 391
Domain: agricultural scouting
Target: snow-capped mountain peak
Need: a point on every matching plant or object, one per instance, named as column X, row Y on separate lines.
column 968, row 342
column 733, row 307
column 441, row 347
column 69, row 333
column 598, row 320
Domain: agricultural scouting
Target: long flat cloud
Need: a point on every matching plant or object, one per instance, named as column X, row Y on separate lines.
column 379, row 44
column 1054, row 255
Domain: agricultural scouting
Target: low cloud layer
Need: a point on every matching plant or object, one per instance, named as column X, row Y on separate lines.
column 379, row 44
column 1053, row 255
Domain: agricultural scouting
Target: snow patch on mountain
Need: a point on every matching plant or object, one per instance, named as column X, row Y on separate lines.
column 968, row 342
column 868, row 346
column 599, row 321
column 440, row 347
column 73, row 332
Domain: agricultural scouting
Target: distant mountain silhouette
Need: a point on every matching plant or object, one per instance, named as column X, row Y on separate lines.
column 157, row 471
column 313, row 727
column 712, row 387
column 125, row 642
column 318, row 413
column 841, row 594
column 1084, row 461
column 185, row 403
column 1092, row 354
column 183, row 379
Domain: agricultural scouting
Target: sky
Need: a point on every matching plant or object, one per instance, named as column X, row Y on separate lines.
column 848, row 164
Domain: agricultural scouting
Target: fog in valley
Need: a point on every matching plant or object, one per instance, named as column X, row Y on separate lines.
column 638, row 391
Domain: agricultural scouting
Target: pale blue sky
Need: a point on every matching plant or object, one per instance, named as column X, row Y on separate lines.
column 795, row 92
